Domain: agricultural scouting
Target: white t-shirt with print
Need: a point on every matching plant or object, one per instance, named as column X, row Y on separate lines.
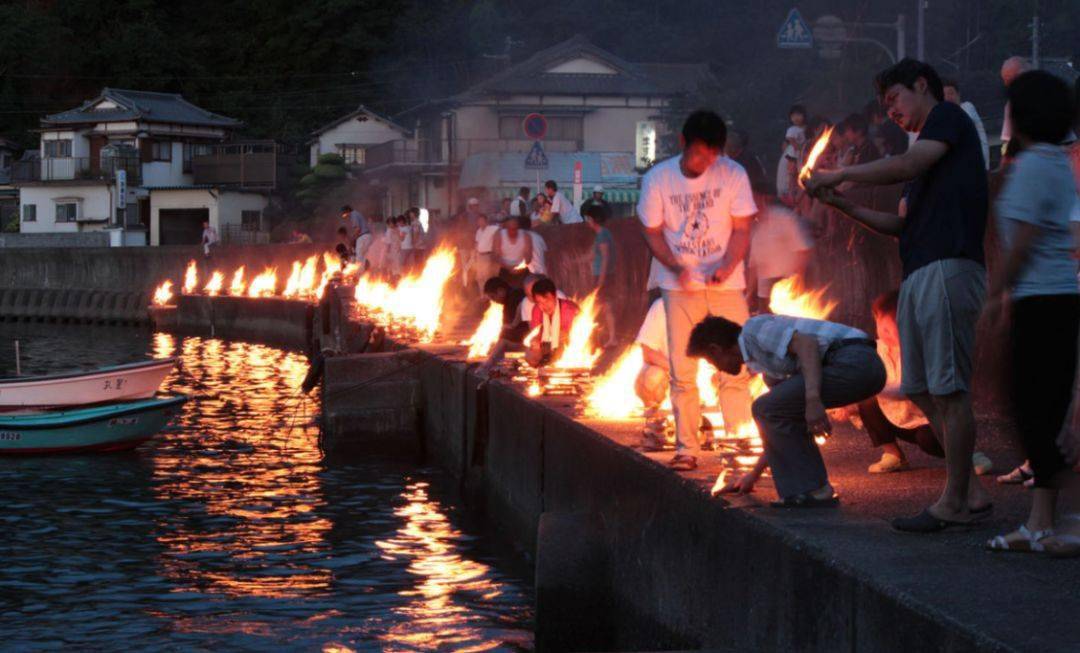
column 565, row 208
column 697, row 217
column 653, row 331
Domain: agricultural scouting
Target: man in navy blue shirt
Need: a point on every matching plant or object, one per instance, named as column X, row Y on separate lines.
column 941, row 248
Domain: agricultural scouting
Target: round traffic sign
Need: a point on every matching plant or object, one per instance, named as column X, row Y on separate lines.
column 535, row 126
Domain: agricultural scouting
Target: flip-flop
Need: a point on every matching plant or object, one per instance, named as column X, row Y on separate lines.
column 806, row 500
column 1015, row 477
column 924, row 523
column 1029, row 542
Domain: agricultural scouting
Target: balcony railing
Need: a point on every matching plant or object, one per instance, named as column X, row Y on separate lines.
column 75, row 168
column 422, row 152
column 256, row 164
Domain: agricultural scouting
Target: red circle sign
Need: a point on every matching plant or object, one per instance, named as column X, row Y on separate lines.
column 535, row 126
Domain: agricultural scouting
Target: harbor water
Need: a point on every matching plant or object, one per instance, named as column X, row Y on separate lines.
column 231, row 531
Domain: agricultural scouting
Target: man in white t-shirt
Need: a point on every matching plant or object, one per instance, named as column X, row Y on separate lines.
column 697, row 209
column 1012, row 68
column 651, row 385
column 562, row 209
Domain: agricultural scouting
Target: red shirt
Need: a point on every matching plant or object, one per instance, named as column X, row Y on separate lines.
column 568, row 310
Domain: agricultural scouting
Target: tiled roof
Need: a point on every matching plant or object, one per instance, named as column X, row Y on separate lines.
column 530, row 76
column 141, row 105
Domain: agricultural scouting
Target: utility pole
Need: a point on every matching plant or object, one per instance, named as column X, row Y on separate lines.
column 1035, row 40
column 920, row 30
column 901, row 38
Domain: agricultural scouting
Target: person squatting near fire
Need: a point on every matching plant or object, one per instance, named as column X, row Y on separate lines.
column 891, row 416
column 696, row 209
column 809, row 366
column 944, row 278
column 555, row 316
column 518, row 307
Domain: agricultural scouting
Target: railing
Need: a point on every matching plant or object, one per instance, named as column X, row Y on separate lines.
column 256, row 164
column 75, row 168
column 422, row 152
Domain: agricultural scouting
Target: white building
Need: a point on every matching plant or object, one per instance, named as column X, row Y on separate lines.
column 602, row 112
column 104, row 165
column 352, row 134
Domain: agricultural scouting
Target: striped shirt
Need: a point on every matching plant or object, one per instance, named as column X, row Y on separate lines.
column 765, row 339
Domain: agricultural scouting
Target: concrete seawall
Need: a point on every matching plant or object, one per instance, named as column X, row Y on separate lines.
column 73, row 305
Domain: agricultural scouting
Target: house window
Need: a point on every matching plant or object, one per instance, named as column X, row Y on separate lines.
column 161, row 150
column 560, row 128
column 59, row 149
column 29, row 213
column 192, row 150
column 66, row 211
column 353, row 154
column 249, row 220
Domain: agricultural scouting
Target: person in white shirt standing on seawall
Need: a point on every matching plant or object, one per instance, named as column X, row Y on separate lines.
column 697, row 208
column 562, row 209
column 952, row 94
column 209, row 238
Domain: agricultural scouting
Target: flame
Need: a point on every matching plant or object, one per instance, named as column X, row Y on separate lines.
column 612, row 395
column 191, row 278
column 789, row 297
column 719, row 484
column 531, row 336
column 815, row 152
column 579, row 352
column 213, row 287
column 521, row 266
column 707, row 390
column 487, row 334
column 238, row 285
column 416, row 300
column 292, row 284
column 264, row 284
column 163, row 294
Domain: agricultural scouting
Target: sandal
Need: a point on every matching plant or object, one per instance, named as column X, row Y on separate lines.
column 1062, row 546
column 1022, row 474
column 806, row 500
column 925, row 522
column 683, row 463
column 1029, row 542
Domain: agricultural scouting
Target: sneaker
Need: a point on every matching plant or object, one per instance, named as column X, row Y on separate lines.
column 981, row 463
column 888, row 463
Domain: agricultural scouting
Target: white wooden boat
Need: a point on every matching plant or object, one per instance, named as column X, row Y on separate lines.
column 79, row 388
column 114, row 427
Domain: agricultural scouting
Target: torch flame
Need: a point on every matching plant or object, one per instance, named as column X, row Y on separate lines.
column 264, row 284
column 237, row 286
column 579, row 352
column 811, row 159
column 191, row 278
column 163, row 293
column 789, row 297
column 487, row 334
column 213, row 287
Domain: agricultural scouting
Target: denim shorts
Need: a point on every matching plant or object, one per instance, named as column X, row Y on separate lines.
column 937, row 313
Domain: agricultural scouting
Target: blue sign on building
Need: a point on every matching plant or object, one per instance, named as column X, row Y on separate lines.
column 794, row 33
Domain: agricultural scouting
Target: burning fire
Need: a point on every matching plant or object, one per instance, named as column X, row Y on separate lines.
column 811, row 159
column 579, row 352
column 416, row 301
column 237, row 286
column 612, row 395
column 487, row 334
column 213, row 287
column 163, row 294
column 527, row 341
column 264, row 284
column 789, row 297
column 191, row 278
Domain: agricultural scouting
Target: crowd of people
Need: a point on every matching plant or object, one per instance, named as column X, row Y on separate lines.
column 720, row 240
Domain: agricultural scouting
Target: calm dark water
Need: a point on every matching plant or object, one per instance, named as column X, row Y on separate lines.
column 230, row 532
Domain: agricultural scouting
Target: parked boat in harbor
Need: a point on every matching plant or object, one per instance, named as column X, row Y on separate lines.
column 113, row 427
column 79, row 388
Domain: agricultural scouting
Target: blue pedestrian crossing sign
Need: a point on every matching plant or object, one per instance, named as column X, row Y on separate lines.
column 794, row 33
column 536, row 159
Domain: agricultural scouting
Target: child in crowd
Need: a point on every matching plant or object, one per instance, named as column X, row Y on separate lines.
column 794, row 139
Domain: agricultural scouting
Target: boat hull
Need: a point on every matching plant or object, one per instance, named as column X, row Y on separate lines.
column 111, row 384
column 107, row 428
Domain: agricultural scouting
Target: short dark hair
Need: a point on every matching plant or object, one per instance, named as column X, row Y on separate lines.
column 492, row 285
column 906, row 72
column 597, row 212
column 706, row 127
column 797, row 108
column 1041, row 106
column 550, row 183
column 949, row 81
column 712, row 331
column 523, row 190
column 342, row 231
column 544, row 286
column 856, row 122
column 885, row 304
column 346, row 208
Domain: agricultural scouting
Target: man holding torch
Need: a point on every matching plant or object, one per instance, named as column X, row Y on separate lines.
column 941, row 248
column 696, row 209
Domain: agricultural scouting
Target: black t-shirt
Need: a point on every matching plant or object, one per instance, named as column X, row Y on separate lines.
column 511, row 305
column 947, row 205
